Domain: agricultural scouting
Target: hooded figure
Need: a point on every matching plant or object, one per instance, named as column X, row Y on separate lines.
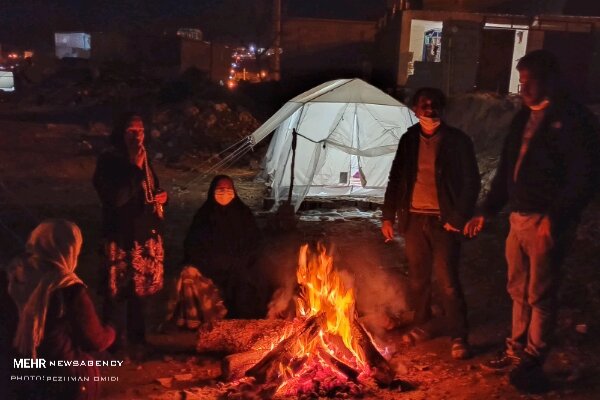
column 222, row 242
column 58, row 321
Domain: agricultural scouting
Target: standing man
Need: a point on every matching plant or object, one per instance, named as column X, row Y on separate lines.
column 432, row 189
column 545, row 175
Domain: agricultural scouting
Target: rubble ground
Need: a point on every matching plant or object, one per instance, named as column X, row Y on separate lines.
column 46, row 169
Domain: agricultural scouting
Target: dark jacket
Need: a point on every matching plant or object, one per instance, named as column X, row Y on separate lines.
column 557, row 172
column 456, row 174
column 125, row 214
column 72, row 331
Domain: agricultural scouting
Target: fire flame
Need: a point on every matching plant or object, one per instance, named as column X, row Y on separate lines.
column 326, row 350
column 322, row 291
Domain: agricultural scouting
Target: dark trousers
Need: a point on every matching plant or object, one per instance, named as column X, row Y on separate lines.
column 127, row 316
column 434, row 252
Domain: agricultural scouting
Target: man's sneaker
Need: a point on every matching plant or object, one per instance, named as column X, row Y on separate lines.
column 529, row 376
column 460, row 349
column 502, row 362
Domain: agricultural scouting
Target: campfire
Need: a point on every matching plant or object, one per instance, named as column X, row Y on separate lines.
column 325, row 350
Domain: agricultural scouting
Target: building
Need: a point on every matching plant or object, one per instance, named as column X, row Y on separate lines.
column 326, row 47
column 465, row 51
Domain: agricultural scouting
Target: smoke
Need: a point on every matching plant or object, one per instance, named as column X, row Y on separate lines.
column 364, row 263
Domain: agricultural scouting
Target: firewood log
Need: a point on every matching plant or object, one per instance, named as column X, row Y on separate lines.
column 238, row 336
column 235, row 366
column 267, row 369
column 383, row 372
column 341, row 366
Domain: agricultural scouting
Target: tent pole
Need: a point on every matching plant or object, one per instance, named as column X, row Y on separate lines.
column 294, row 142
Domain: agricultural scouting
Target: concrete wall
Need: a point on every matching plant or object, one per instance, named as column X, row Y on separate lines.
column 211, row 57
column 327, row 48
column 306, row 35
column 405, row 37
column 195, row 53
column 521, row 41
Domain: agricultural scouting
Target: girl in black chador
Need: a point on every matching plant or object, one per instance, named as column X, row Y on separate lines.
column 222, row 243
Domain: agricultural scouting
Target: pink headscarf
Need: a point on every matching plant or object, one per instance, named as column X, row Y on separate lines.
column 54, row 246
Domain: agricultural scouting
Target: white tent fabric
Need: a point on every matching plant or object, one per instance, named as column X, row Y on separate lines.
column 348, row 132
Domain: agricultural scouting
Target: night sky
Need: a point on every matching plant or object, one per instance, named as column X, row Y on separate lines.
column 31, row 23
column 27, row 22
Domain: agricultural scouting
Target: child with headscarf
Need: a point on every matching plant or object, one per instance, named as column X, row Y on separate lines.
column 59, row 321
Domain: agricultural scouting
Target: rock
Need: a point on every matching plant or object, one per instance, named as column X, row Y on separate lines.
column 581, row 328
column 191, row 111
column 99, row 129
column 165, row 382
column 221, row 107
column 155, row 133
column 211, row 120
column 84, row 144
column 183, row 377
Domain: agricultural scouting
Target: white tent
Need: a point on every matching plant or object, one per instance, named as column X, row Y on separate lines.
column 348, row 132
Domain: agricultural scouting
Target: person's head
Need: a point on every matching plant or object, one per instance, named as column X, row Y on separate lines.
column 55, row 243
column 428, row 102
column 538, row 75
column 222, row 190
column 128, row 132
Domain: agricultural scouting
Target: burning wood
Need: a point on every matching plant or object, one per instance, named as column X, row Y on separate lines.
column 282, row 355
column 330, row 351
column 238, row 336
column 235, row 365
column 383, row 373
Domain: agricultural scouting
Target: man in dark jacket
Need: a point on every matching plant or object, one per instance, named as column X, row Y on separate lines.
column 546, row 175
column 432, row 189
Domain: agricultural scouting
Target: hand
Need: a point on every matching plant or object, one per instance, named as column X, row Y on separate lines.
column 387, row 229
column 137, row 156
column 474, row 226
column 161, row 197
column 450, row 228
column 544, row 231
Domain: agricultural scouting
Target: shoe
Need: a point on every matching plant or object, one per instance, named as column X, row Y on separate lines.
column 460, row 349
column 502, row 362
column 529, row 377
column 415, row 336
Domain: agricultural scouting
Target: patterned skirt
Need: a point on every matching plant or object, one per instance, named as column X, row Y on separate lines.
column 140, row 267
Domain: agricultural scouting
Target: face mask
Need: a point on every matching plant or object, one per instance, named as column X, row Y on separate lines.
column 224, row 196
column 429, row 124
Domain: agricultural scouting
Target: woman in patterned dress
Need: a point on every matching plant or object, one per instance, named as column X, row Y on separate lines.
column 132, row 226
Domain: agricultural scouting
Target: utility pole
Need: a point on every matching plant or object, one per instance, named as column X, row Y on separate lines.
column 276, row 73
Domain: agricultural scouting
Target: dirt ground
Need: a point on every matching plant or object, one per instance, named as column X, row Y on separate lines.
column 46, row 169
